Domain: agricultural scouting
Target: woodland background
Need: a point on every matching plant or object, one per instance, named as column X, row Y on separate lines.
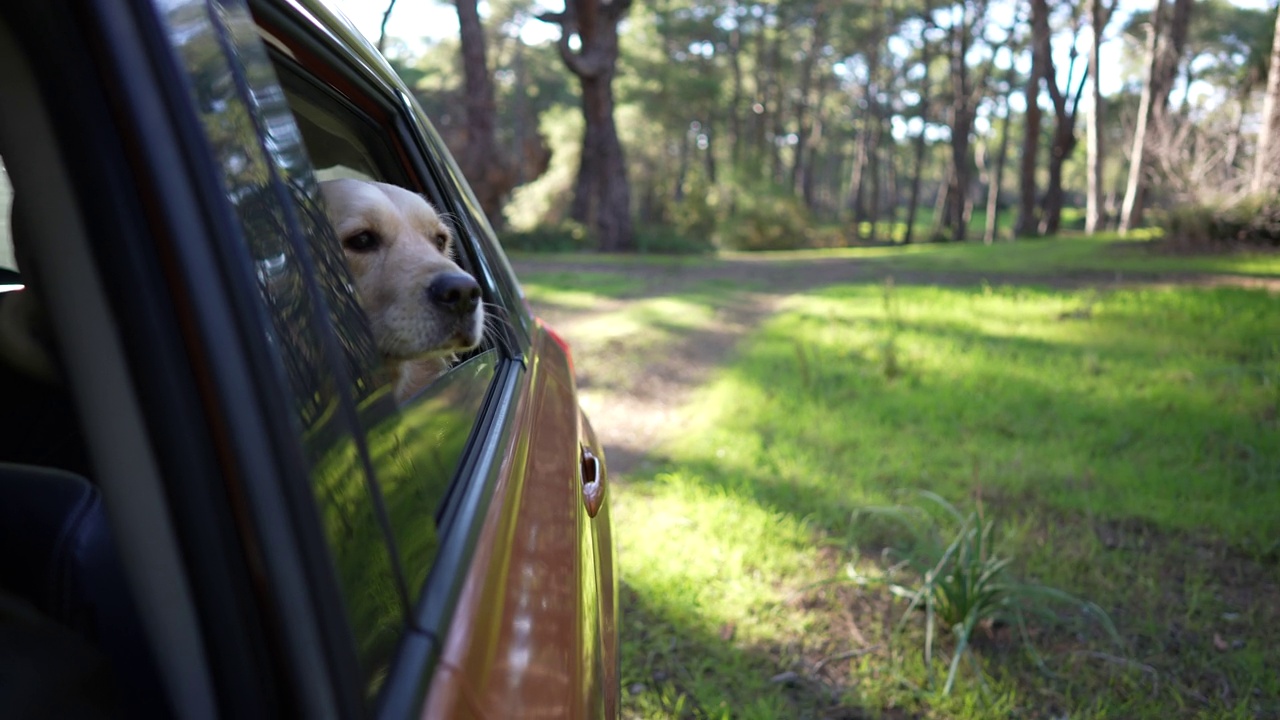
column 816, row 123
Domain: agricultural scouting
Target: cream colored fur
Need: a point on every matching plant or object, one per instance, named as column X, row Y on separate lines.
column 413, row 247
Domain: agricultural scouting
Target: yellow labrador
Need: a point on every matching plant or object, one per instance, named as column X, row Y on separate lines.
column 423, row 307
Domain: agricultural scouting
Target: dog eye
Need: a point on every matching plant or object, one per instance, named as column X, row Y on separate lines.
column 442, row 241
column 361, row 242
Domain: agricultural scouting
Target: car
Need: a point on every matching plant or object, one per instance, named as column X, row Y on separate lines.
column 211, row 504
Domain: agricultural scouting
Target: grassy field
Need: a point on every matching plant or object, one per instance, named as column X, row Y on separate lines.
column 1124, row 440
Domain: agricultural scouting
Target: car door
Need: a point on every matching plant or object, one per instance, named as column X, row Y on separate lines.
column 518, row 603
column 297, row 543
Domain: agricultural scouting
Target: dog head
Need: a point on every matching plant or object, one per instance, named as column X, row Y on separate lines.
column 420, row 303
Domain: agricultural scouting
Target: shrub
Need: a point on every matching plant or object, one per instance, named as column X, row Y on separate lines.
column 767, row 222
column 665, row 240
column 1254, row 220
column 566, row 236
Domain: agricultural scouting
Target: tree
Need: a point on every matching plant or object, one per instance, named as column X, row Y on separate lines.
column 1028, row 219
column 1066, row 105
column 995, row 176
column 602, row 195
column 965, row 91
column 1100, row 14
column 918, row 143
column 1266, row 168
column 490, row 176
column 1165, row 53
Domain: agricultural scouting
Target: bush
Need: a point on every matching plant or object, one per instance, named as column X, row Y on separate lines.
column 768, row 223
column 665, row 240
column 1253, row 221
column 566, row 236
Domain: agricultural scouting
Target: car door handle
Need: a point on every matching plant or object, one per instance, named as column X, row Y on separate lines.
column 592, row 471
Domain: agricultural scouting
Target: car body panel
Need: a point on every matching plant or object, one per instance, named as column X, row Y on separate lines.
column 527, row 638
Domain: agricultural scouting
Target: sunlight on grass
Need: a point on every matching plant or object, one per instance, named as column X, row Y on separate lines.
column 1063, row 254
column 1120, row 410
column 576, row 290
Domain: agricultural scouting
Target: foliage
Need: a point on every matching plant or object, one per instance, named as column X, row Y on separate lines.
column 664, row 240
column 567, row 236
column 767, row 221
column 546, row 199
column 1254, row 220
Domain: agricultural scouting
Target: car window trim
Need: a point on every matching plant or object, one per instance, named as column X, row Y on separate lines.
column 461, row 522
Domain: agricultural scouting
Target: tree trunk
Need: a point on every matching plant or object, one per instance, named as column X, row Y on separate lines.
column 857, row 179
column 873, row 169
column 995, row 179
column 1131, row 210
column 940, row 204
column 735, row 100
column 1066, row 104
column 1266, row 168
column 961, row 127
column 1028, row 220
column 602, row 196
column 804, row 116
column 1095, row 217
column 481, row 164
column 709, row 155
column 917, row 169
column 1166, row 49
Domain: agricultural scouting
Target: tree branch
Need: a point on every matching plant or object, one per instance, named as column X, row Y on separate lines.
column 382, row 33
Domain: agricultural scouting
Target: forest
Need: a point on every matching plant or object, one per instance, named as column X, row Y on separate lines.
column 998, row 437
column 815, row 123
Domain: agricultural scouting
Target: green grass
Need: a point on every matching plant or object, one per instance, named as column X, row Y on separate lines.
column 1064, row 254
column 1125, row 441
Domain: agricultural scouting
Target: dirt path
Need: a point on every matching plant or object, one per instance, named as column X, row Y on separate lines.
column 634, row 389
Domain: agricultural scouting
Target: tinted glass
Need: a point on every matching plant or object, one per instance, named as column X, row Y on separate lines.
column 417, row 450
column 326, row 352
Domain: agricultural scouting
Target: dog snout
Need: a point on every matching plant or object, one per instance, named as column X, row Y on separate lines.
column 456, row 292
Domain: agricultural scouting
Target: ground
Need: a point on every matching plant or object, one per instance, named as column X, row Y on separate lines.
column 758, row 617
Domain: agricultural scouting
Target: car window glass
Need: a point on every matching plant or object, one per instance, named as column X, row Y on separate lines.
column 306, row 294
column 418, row 449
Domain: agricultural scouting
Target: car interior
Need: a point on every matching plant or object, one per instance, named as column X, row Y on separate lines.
column 64, row 596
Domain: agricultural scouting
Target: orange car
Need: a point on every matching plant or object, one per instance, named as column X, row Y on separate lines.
column 210, row 503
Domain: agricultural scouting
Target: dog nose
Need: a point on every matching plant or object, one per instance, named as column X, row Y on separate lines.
column 456, row 292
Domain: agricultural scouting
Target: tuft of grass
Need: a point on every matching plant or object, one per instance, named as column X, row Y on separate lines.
column 961, row 582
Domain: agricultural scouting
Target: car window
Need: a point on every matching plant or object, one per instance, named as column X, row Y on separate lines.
column 324, row 350
column 418, row 449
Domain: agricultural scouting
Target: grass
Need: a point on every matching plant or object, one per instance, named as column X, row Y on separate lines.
column 1067, row 253
column 1123, row 440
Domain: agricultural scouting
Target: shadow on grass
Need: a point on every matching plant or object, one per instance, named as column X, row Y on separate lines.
column 1129, row 450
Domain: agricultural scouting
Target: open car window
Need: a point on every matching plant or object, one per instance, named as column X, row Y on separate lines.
column 418, row 446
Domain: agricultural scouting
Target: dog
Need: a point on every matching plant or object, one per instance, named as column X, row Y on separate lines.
column 424, row 309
